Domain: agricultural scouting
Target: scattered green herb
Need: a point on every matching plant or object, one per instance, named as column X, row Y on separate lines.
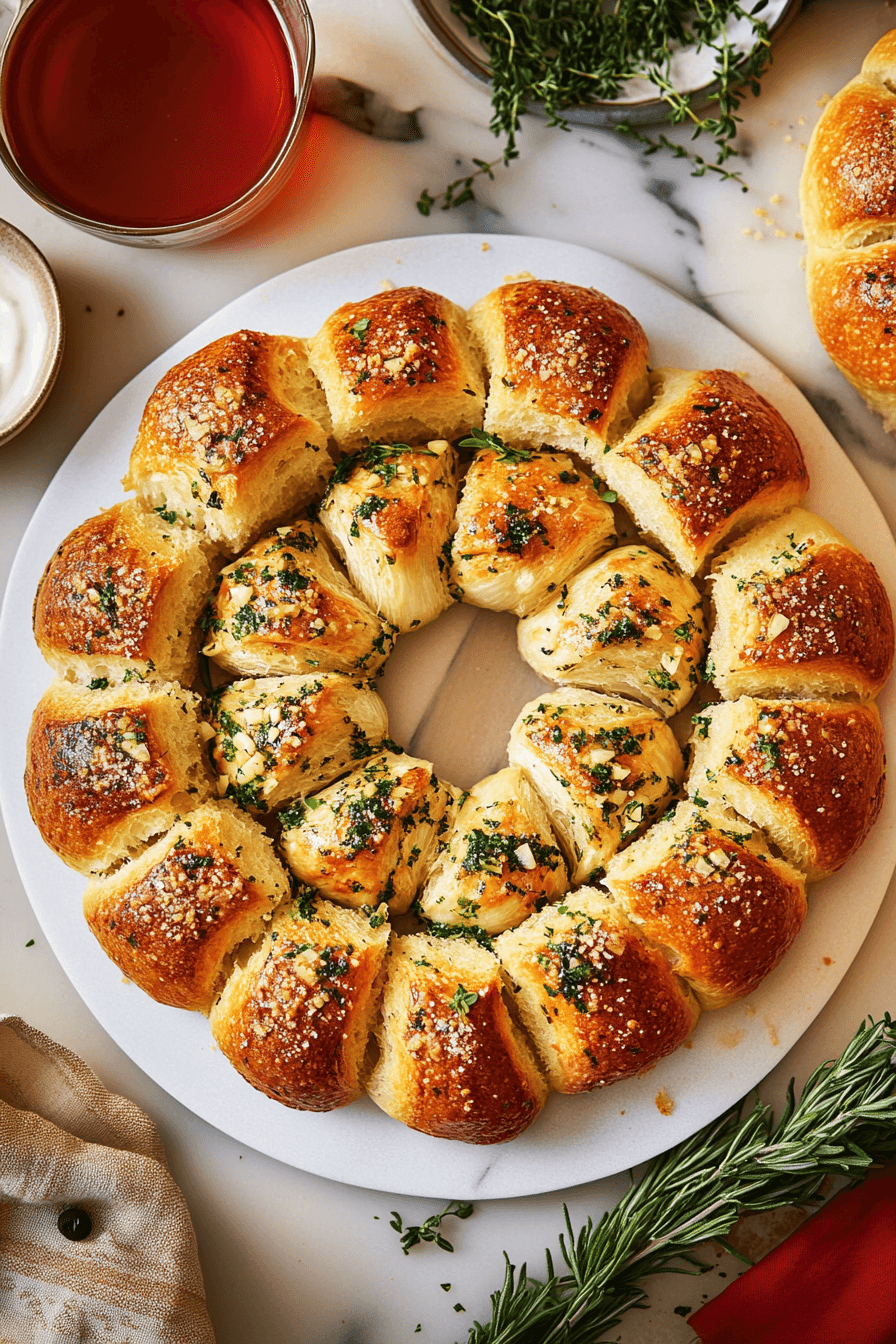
column 429, row 1230
column 842, row 1124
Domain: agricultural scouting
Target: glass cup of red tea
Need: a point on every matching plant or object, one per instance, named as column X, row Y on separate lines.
column 154, row 122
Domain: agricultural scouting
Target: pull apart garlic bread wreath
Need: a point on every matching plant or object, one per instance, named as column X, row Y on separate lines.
column 263, row 853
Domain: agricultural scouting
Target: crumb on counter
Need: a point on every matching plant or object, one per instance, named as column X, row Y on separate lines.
column 664, row 1103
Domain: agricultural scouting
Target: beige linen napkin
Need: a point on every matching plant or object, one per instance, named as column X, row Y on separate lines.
column 65, row 1140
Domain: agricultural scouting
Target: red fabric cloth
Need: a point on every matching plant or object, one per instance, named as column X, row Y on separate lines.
column 832, row 1282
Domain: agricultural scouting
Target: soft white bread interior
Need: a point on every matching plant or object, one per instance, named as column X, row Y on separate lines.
column 567, row 365
column 295, row 1015
column 525, row 523
column 799, row 612
column 704, row 887
column 371, row 837
column 605, row 768
column 277, row 738
column 498, row 862
column 399, row 366
column 709, row 457
column 451, row 1061
column 629, row 624
column 234, row 438
column 171, row 918
column 389, row 511
column 810, row 773
column 121, row 598
column 108, row 768
column 599, row 1003
column 284, row 608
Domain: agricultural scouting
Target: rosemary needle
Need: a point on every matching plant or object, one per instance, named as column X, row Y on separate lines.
column 843, row 1122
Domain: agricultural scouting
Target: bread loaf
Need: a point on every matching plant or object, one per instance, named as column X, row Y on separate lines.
column 526, row 522
column 567, row 365
column 848, row 203
column 109, row 768
column 389, row 511
column 312, row 996
column 234, row 438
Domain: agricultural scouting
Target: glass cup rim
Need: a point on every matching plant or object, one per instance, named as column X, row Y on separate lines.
column 219, row 220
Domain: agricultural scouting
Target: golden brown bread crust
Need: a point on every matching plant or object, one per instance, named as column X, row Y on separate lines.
column 852, row 297
column 390, row 511
column 218, row 425
column 525, row 523
column 709, row 456
column 849, row 192
column 106, row 769
column 372, row 836
column 800, row 612
column 170, row 918
column 811, row 773
column 278, row 738
column 283, row 607
column 704, row 887
column 398, row 365
column 452, row 1065
column 123, row 591
column 565, row 364
column 848, row 204
column 600, row 1004
column 294, row 1020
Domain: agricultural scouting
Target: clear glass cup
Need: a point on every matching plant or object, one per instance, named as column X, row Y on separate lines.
column 298, row 32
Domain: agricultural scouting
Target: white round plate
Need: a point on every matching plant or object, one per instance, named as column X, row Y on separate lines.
column 453, row 690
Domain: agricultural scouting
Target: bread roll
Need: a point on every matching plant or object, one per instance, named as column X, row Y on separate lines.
column 702, row 886
column 605, row 768
column 848, row 204
column 372, row 836
column 398, row 366
column 799, row 612
column 121, row 598
column 389, row 510
column 811, row 774
column 284, row 608
column 278, row 738
column 234, row 438
column 567, row 365
column 710, row 456
column 525, row 523
column 170, row 918
column 498, row 862
column 628, row 624
column 295, row 1015
column 452, row 1064
column 599, row 1004
column 107, row 769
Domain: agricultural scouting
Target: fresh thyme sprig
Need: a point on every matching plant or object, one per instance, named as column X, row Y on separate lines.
column 430, row 1228
column 562, row 54
column 844, row 1122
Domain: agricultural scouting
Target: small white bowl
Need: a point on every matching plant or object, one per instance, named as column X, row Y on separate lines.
column 32, row 331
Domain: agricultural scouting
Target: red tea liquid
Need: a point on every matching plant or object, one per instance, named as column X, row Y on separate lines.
column 145, row 113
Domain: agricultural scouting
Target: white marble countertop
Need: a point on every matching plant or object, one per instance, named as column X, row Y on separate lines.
column 288, row 1256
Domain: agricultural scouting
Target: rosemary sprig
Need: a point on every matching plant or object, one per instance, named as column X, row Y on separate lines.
column 844, row 1122
column 562, row 54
